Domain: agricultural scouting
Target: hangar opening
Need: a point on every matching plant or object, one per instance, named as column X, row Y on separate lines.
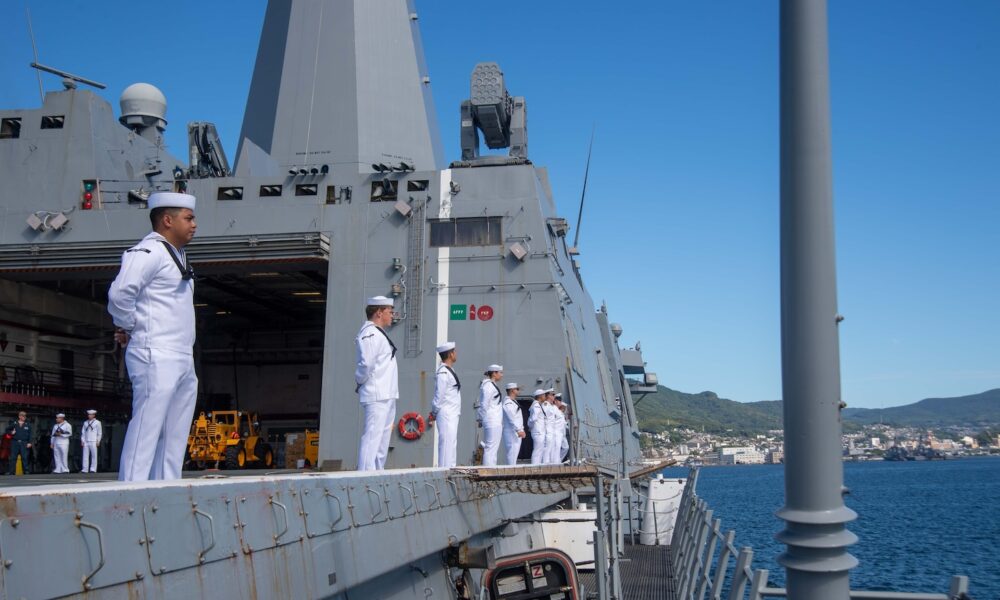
column 260, row 305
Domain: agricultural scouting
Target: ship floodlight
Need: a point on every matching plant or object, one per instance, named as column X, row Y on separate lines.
column 324, row 169
column 405, row 167
column 303, row 172
column 35, row 223
column 58, row 221
column 402, row 208
column 383, row 168
column 314, row 171
column 292, row 172
column 518, row 251
column 375, row 167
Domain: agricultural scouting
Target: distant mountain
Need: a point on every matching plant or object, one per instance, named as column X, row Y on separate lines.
column 671, row 408
column 979, row 410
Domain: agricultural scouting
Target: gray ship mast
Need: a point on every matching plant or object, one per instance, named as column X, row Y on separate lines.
column 308, row 106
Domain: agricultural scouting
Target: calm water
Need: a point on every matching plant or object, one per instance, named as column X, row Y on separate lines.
column 919, row 523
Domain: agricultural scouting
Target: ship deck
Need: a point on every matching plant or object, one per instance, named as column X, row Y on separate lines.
column 646, row 574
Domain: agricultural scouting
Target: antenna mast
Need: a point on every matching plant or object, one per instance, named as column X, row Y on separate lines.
column 583, row 194
column 34, row 51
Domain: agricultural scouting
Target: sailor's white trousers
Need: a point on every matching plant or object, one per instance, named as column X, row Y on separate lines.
column 60, row 450
column 511, row 445
column 380, row 416
column 447, row 423
column 539, row 449
column 164, row 391
column 89, row 457
column 492, row 432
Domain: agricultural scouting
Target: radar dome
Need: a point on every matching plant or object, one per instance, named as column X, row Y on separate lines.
column 143, row 100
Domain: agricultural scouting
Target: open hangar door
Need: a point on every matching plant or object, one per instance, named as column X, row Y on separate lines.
column 260, row 310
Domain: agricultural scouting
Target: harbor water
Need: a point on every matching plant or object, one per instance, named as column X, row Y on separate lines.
column 918, row 523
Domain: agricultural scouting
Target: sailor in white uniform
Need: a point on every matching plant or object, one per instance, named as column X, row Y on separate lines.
column 538, row 424
column 152, row 305
column 558, row 430
column 564, row 431
column 377, row 379
column 90, row 440
column 489, row 413
column 513, row 424
column 59, row 442
column 447, row 405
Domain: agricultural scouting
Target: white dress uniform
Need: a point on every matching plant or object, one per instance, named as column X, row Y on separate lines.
column 558, row 435
column 490, row 414
column 513, row 423
column 377, row 379
column 152, row 299
column 538, row 424
column 61, row 433
column 446, row 408
column 90, row 437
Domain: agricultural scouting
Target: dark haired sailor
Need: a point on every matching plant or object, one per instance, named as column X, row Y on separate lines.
column 489, row 413
column 59, row 442
column 90, row 440
column 376, row 381
column 152, row 304
column 446, row 407
column 513, row 424
column 538, row 425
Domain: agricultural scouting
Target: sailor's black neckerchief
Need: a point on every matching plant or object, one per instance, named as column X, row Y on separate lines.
column 187, row 272
column 458, row 384
column 499, row 395
column 388, row 340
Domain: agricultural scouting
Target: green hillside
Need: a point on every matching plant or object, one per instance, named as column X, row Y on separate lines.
column 706, row 411
column 976, row 410
column 670, row 408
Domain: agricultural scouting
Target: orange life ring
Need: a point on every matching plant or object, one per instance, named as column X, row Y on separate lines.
column 412, row 426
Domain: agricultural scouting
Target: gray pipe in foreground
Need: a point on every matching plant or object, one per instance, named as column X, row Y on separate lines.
column 816, row 559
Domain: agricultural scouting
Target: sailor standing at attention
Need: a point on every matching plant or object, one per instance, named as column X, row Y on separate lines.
column 152, row 305
column 489, row 413
column 59, row 442
column 90, row 440
column 447, row 405
column 538, row 424
column 377, row 380
column 558, row 430
column 513, row 424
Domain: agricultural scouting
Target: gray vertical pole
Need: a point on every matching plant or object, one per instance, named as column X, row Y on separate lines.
column 600, row 555
column 816, row 557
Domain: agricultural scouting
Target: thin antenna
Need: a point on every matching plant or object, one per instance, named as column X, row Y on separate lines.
column 583, row 194
column 34, row 50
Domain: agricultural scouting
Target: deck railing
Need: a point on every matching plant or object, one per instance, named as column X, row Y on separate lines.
column 707, row 563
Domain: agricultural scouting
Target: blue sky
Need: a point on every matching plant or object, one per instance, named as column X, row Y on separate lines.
column 680, row 233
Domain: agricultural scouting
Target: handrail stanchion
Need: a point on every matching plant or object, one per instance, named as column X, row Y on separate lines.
column 739, row 581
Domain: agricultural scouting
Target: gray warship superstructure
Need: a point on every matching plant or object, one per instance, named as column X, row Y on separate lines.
column 339, row 191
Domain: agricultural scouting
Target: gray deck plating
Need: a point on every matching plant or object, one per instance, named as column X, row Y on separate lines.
column 299, row 535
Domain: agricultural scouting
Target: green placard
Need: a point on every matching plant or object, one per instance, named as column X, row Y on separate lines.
column 458, row 312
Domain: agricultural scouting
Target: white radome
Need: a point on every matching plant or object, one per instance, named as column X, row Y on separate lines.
column 143, row 100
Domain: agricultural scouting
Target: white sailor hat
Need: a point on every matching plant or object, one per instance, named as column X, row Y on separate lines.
column 550, row 391
column 91, row 412
column 60, row 416
column 559, row 395
column 494, row 368
column 512, row 386
column 539, row 392
column 379, row 301
column 445, row 347
column 170, row 200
